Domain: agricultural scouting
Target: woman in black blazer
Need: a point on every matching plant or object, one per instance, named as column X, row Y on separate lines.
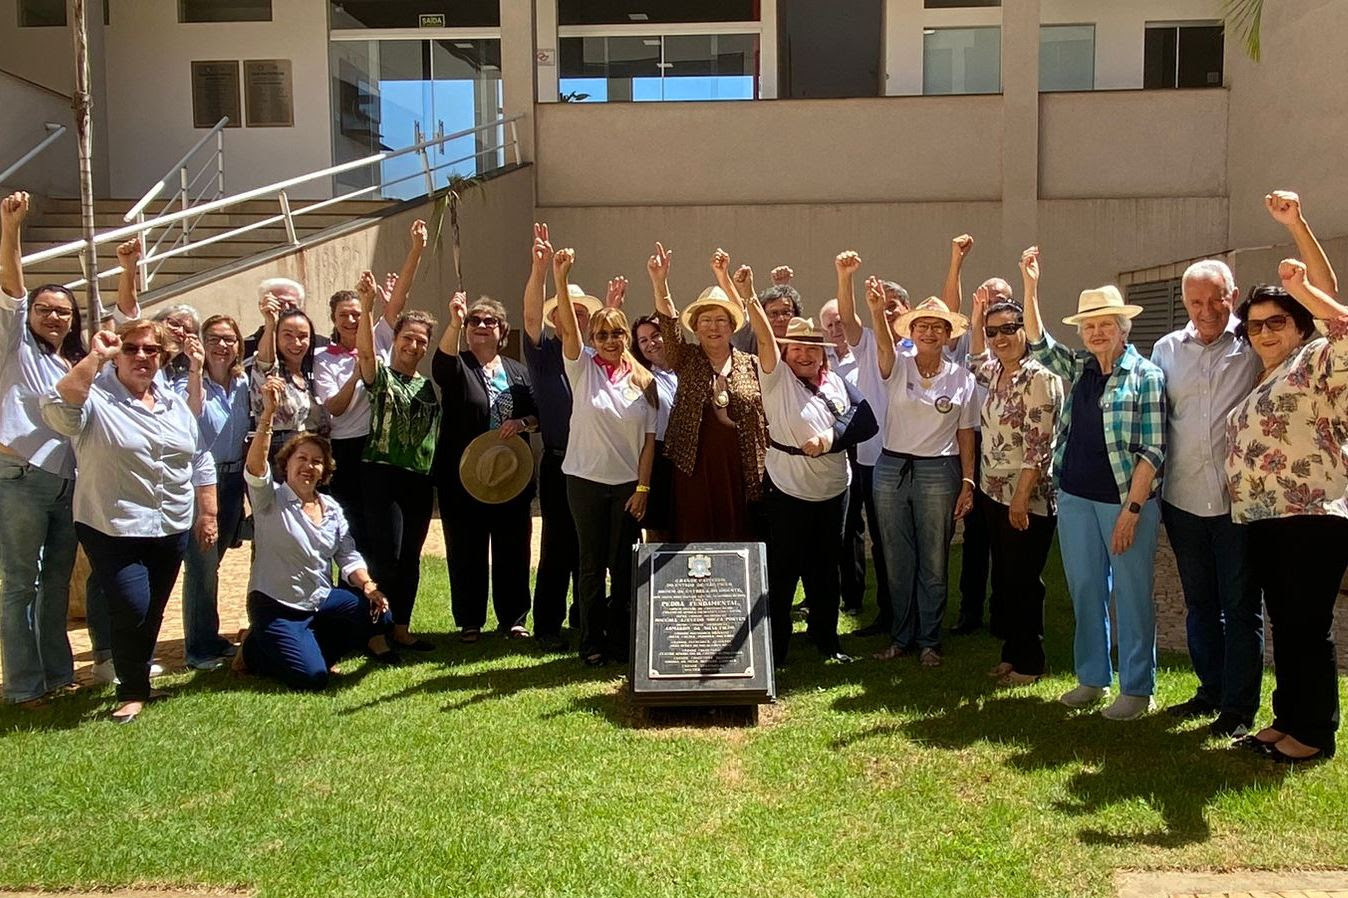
column 482, row 390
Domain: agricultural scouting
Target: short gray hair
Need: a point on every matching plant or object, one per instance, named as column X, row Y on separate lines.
column 1212, row 269
column 270, row 285
column 1125, row 324
column 179, row 309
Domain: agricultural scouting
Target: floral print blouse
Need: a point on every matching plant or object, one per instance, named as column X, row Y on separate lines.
column 1020, row 423
column 1287, row 442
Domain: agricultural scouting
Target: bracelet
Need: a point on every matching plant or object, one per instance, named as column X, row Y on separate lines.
column 968, row 480
column 643, row 488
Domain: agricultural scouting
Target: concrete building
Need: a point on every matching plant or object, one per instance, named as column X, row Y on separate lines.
column 1120, row 135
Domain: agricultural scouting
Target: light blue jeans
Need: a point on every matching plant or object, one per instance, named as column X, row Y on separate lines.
column 915, row 505
column 1085, row 531
column 37, row 554
column 201, row 575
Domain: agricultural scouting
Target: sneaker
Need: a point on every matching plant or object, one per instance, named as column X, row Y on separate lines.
column 216, row 663
column 1084, row 696
column 1194, row 707
column 1129, row 707
column 1231, row 725
column 156, row 669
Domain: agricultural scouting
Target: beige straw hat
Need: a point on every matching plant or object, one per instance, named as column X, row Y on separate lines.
column 1106, row 300
column 578, row 296
column 713, row 298
column 931, row 307
column 803, row 332
column 494, row 470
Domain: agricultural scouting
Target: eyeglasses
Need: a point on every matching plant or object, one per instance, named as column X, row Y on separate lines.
column 1255, row 326
column 42, row 311
column 1008, row 329
column 782, row 313
column 147, row 349
column 605, row 336
column 222, row 341
column 483, row 321
column 924, row 326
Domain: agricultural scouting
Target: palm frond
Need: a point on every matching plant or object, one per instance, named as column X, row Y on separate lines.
column 1244, row 17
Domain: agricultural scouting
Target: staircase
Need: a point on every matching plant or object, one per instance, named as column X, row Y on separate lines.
column 58, row 221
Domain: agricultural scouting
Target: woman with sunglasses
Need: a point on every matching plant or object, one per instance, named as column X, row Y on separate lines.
column 145, row 476
column 216, row 391
column 608, row 464
column 480, row 391
column 1020, row 418
column 1287, row 464
column 40, row 336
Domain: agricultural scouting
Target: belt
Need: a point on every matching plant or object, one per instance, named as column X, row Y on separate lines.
column 907, row 456
column 789, row 450
column 555, row 453
column 229, row 467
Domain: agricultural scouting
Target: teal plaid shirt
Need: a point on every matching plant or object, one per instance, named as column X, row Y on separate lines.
column 1134, row 408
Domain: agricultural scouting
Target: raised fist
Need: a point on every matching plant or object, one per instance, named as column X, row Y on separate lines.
column 105, row 345
column 847, row 262
column 14, row 209
column 1029, row 264
column 1292, row 273
column 458, row 308
column 1284, row 206
column 720, row 261
column 562, row 260
column 419, row 234
column 780, row 275
column 657, row 266
column 960, row 246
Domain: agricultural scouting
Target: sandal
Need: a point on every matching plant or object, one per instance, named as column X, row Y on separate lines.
column 1015, row 678
column 1000, row 670
column 930, row 658
column 595, row 660
column 518, row 632
column 472, row 634
column 890, row 652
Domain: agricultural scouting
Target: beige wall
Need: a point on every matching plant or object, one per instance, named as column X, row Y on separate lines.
column 27, row 108
column 790, row 151
column 495, row 221
column 43, row 55
column 1133, row 144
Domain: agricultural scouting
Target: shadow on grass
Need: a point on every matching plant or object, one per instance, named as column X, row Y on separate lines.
column 1177, row 772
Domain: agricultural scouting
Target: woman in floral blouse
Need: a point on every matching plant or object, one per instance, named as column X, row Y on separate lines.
column 1020, row 417
column 1287, row 469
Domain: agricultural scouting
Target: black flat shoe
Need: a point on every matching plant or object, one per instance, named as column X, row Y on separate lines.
column 1252, row 743
column 389, row 658
column 838, row 657
column 1194, row 707
column 1231, row 725
column 595, row 660
column 416, row 645
column 1279, row 758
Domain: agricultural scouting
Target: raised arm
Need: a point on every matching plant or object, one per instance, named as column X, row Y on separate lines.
column 1029, row 272
column 951, row 293
column 270, row 307
column 458, row 311
column 13, row 210
column 1285, row 207
column 977, row 319
column 615, row 297
column 256, row 463
column 1296, row 281
column 657, row 266
column 366, row 360
column 884, row 346
column 540, row 257
column 402, row 284
column 567, row 325
column 847, row 263
column 769, row 354
column 74, row 387
column 128, row 257
column 196, row 362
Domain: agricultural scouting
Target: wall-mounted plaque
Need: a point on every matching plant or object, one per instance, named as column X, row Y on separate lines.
column 215, row 92
column 267, row 90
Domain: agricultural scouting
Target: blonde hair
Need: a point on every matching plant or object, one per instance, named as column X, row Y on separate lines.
column 161, row 335
column 642, row 378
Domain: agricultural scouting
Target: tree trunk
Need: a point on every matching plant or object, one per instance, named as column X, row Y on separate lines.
column 83, row 105
column 455, row 247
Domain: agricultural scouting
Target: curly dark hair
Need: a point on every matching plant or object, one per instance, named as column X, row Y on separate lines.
column 780, row 292
column 1300, row 315
column 288, row 449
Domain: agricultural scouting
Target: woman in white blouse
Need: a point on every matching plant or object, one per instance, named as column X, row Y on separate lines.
column 1287, row 469
column 607, row 465
column 649, row 349
column 924, row 479
column 813, row 418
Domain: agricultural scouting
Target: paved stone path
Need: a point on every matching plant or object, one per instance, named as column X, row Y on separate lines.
column 1242, row 884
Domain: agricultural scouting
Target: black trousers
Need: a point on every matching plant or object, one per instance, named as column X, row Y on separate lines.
column 472, row 529
column 859, row 522
column 398, row 506
column 1018, row 558
column 345, row 486
column 804, row 544
column 977, row 552
column 1299, row 562
column 559, row 552
column 605, row 533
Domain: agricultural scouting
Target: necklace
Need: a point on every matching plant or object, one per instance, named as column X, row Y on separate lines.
column 926, row 376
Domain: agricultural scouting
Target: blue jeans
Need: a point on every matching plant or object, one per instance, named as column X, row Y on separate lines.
column 1085, row 532
column 37, row 553
column 201, row 569
column 915, row 504
column 1225, row 623
column 298, row 647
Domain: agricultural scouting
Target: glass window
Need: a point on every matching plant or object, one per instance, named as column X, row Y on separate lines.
column 224, row 10
column 408, row 13
column 658, row 68
column 42, row 13
column 626, row 12
column 1183, row 56
column 1067, row 57
column 829, row 49
column 962, row 60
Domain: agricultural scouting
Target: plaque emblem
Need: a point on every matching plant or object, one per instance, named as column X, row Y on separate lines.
column 630, row 393
column 699, row 566
column 944, row 405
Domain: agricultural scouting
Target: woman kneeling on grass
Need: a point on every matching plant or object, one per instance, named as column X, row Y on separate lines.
column 300, row 625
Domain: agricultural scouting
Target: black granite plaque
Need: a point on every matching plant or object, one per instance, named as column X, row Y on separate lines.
column 699, row 625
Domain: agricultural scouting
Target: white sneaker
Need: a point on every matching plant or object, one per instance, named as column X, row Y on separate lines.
column 1129, row 707
column 1083, row 696
column 103, row 673
column 156, row 669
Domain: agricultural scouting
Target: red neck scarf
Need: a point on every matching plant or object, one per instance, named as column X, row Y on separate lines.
column 614, row 373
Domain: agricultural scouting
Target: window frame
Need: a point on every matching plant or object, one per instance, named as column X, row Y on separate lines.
column 928, row 30
column 181, row 9
column 1094, row 27
column 1177, row 26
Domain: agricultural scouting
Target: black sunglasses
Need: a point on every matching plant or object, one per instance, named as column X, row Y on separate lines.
column 1009, row 329
column 1255, row 326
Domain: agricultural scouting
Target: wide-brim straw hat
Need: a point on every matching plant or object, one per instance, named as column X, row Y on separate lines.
column 931, row 307
column 802, row 332
column 713, row 298
column 494, row 470
column 578, row 296
column 1106, row 300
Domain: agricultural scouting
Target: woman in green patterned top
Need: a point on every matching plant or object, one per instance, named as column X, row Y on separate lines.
column 396, row 465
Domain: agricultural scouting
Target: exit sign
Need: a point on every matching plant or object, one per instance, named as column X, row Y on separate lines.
column 431, row 20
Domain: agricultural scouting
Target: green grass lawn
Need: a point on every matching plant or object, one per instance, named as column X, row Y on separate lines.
column 497, row 770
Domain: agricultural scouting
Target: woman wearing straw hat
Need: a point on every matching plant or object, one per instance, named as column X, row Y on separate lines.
column 608, row 464
column 923, row 480
column 1111, row 443
column 814, row 417
column 717, row 435
column 483, row 392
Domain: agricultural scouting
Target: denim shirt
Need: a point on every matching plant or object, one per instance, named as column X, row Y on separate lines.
column 27, row 374
column 137, row 466
column 224, row 417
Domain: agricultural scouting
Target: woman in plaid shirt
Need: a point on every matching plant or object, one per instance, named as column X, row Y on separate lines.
column 1111, row 443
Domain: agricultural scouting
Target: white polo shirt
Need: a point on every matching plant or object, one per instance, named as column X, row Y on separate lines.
column 609, row 423
column 923, row 420
column 796, row 415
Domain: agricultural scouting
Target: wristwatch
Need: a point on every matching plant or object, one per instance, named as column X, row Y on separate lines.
column 1134, row 508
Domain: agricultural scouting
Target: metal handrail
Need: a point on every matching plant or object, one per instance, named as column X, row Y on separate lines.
column 159, row 185
column 54, row 132
column 279, row 191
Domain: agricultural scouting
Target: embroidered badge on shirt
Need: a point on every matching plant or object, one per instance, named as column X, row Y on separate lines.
column 944, row 404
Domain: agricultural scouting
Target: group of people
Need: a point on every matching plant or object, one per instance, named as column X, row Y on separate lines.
column 737, row 418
